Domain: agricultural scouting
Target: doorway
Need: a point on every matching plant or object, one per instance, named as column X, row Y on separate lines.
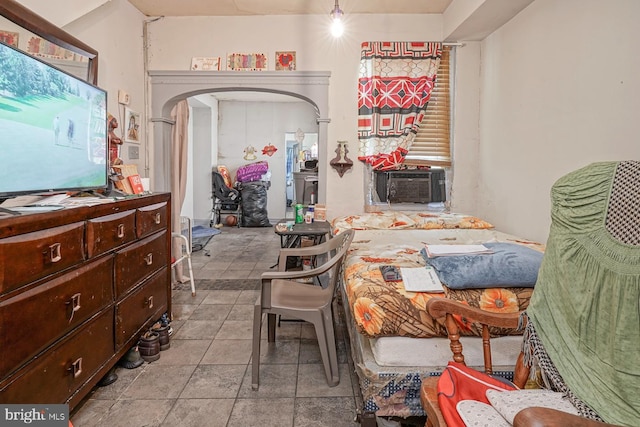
column 302, row 160
column 169, row 87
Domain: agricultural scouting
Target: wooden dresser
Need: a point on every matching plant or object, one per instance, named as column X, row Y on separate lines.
column 77, row 289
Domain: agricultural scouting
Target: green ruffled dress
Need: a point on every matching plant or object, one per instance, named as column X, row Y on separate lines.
column 586, row 303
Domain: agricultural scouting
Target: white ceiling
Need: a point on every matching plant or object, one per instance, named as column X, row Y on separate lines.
column 283, row 7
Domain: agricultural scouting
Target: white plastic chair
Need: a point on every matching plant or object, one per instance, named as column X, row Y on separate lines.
column 185, row 246
column 282, row 294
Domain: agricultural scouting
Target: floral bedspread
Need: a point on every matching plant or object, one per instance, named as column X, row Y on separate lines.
column 383, row 308
column 399, row 220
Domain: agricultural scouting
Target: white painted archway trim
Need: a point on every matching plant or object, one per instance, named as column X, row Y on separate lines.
column 169, row 87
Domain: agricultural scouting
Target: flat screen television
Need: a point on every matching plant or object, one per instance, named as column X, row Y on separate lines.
column 53, row 128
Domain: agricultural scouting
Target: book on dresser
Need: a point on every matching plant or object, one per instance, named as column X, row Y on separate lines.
column 136, row 184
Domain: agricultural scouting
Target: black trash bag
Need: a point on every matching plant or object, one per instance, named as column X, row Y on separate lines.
column 254, row 204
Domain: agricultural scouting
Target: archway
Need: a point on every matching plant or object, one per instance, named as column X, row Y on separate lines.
column 169, row 87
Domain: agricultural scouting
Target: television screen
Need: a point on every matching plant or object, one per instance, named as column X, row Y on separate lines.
column 53, row 128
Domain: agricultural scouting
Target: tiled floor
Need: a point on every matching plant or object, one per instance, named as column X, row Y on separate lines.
column 204, row 379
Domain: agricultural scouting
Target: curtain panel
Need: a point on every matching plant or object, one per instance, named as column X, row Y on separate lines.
column 394, row 87
column 179, row 155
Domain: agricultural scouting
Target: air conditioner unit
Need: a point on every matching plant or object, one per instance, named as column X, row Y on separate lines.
column 411, row 186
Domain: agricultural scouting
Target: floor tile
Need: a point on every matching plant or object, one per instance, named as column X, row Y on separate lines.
column 222, row 297
column 274, row 381
column 182, row 311
column 248, row 297
column 114, row 390
column 185, row 297
column 324, row 411
column 262, row 413
column 138, row 412
column 280, row 352
column 199, row 413
column 159, row 382
column 183, row 352
column 241, row 312
column 92, row 411
column 236, row 329
column 312, row 382
column 214, row 382
column 228, row 352
column 198, row 329
column 211, row 312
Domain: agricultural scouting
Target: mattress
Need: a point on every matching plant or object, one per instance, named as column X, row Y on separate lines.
column 432, row 351
column 394, row 352
column 390, row 370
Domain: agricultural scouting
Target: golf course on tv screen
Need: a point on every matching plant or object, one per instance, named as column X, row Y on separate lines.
column 53, row 134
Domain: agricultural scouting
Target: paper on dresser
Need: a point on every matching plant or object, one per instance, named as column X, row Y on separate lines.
column 452, row 250
column 55, row 199
column 20, row 201
column 421, row 279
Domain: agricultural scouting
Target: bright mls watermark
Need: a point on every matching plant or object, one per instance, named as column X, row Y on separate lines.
column 34, row 415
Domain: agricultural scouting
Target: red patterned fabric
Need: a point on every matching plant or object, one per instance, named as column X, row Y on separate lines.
column 396, row 79
column 459, row 382
column 385, row 162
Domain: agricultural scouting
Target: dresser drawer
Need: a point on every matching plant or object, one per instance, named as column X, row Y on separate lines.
column 54, row 377
column 147, row 303
column 152, row 218
column 109, row 232
column 53, row 309
column 139, row 260
column 31, row 256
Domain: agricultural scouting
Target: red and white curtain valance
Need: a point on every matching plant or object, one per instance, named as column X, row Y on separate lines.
column 394, row 87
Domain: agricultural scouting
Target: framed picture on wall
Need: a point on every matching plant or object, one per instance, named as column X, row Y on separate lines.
column 9, row 37
column 132, row 123
column 205, row 63
column 247, row 62
column 285, row 61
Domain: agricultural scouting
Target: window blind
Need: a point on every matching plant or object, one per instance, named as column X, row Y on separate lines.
column 432, row 144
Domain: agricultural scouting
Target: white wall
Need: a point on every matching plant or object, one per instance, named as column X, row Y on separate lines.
column 115, row 31
column 174, row 41
column 559, row 90
column 259, row 124
column 203, row 124
column 518, row 125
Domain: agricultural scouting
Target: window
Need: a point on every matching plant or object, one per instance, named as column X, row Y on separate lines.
column 432, row 144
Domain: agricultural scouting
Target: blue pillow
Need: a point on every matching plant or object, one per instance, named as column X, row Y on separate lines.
column 510, row 265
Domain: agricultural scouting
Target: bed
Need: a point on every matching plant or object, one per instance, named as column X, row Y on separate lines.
column 394, row 342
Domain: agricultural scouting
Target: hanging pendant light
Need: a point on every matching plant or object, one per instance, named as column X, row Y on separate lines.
column 337, row 26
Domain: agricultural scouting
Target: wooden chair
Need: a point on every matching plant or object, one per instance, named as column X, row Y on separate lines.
column 283, row 294
column 442, row 307
column 530, row 417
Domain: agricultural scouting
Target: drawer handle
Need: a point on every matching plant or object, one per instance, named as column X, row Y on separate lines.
column 149, row 301
column 75, row 305
column 148, row 259
column 120, row 231
column 76, row 368
column 157, row 218
column 54, row 252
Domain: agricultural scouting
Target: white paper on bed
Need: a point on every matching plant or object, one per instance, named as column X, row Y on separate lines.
column 453, row 250
column 421, row 279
